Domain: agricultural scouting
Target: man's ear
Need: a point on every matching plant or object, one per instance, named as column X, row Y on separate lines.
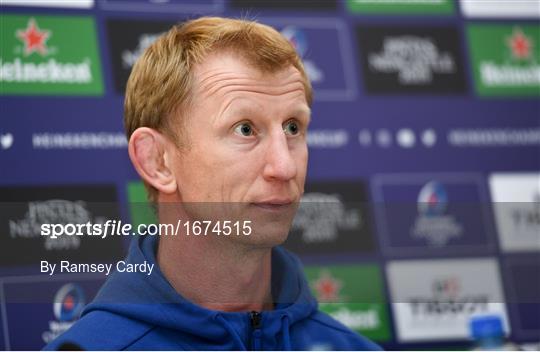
column 148, row 152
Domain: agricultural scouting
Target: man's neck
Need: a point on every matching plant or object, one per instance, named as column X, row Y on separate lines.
column 216, row 274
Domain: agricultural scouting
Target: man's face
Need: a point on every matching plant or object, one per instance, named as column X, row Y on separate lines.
column 247, row 146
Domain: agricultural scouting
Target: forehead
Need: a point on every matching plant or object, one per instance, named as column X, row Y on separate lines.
column 223, row 73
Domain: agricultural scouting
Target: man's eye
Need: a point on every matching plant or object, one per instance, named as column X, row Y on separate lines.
column 244, row 129
column 291, row 128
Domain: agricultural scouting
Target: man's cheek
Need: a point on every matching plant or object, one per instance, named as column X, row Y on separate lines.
column 301, row 163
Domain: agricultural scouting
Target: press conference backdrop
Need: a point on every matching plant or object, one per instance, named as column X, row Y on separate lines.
column 425, row 134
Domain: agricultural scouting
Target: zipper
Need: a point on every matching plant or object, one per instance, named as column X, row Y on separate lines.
column 255, row 320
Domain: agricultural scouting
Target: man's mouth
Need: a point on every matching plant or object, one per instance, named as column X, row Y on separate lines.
column 274, row 204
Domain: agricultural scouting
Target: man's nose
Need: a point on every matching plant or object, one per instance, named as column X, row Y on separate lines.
column 280, row 164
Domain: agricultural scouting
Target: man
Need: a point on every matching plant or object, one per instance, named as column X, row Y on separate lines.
column 216, row 113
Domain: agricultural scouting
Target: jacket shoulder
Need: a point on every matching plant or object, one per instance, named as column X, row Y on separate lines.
column 345, row 338
column 101, row 330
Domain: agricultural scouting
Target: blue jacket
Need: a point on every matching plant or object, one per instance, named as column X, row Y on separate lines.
column 135, row 311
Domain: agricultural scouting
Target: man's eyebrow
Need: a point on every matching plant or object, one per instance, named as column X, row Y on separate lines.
column 245, row 108
column 303, row 110
column 235, row 108
column 252, row 110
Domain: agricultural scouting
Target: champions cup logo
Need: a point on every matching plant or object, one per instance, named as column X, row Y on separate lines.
column 299, row 40
column 432, row 199
column 432, row 224
column 68, row 304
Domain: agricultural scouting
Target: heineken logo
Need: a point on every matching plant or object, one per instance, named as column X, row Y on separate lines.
column 38, row 56
column 47, row 72
column 402, row 7
column 520, row 45
column 343, row 294
column 33, row 38
column 505, row 59
column 327, row 287
column 358, row 320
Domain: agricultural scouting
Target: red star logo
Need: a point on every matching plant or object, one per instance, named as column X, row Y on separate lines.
column 520, row 45
column 327, row 287
column 33, row 38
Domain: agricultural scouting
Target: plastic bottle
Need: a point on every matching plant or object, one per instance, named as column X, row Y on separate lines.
column 488, row 333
